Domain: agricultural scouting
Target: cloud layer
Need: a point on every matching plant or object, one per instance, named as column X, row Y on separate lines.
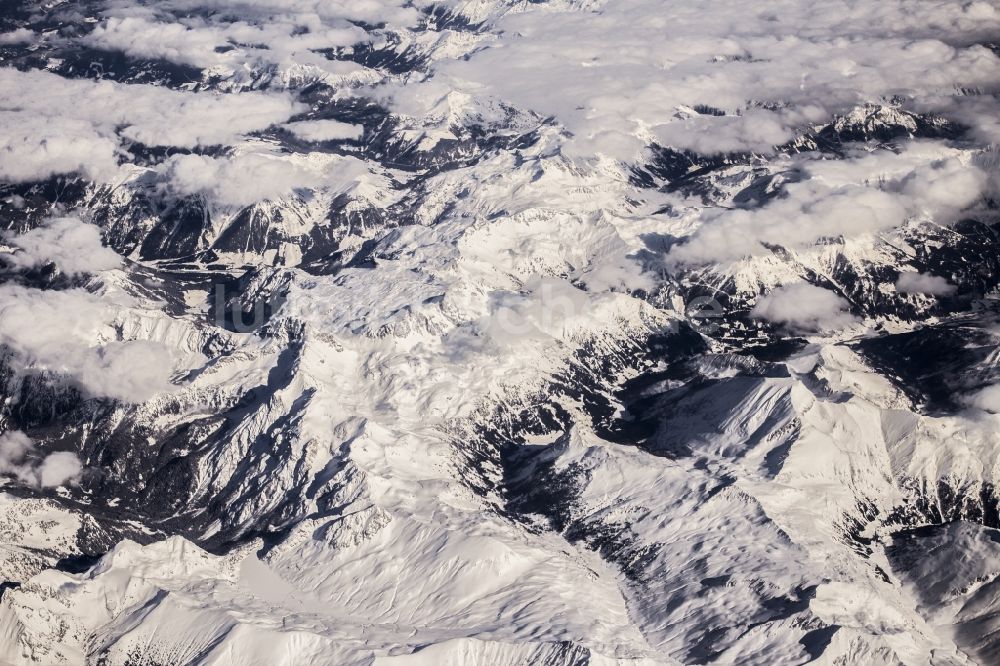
column 71, row 334
column 924, row 283
column 804, row 307
column 17, row 459
column 863, row 194
column 72, row 245
column 987, row 399
column 55, row 125
column 248, row 178
column 615, row 76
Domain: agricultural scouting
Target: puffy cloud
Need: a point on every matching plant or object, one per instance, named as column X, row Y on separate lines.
column 72, row 334
column 33, row 147
column 19, row 36
column 59, row 468
column 616, row 75
column 547, row 307
column 324, row 130
column 804, row 307
column 71, row 244
column 395, row 13
column 132, row 371
column 252, row 177
column 756, row 130
column 944, row 186
column 56, row 469
column 176, row 42
column 849, row 198
column 14, row 448
column 235, row 36
column 812, row 210
column 987, row 399
column 616, row 274
column 924, row 283
column 54, row 125
column 977, row 112
column 206, row 42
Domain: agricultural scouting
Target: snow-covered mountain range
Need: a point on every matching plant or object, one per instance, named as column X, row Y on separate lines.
column 499, row 332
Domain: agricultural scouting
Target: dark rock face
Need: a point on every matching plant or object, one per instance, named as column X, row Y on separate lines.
column 937, row 365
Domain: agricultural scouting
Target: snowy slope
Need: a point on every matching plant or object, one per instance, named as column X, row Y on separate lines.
column 572, row 332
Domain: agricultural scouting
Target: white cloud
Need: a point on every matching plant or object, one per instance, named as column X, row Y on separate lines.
column 810, row 211
column 615, row 73
column 987, row 399
column 324, row 130
column 19, row 36
column 59, row 468
column 395, row 13
column 153, row 115
column 756, row 130
column 924, row 283
column 34, row 147
column 546, row 307
column 864, row 194
column 54, row 125
column 804, row 307
column 72, row 333
column 175, row 42
column 282, row 40
column 56, row 469
column 14, row 448
column 944, row 186
column 252, row 177
column 132, row 371
column 616, row 274
column 71, row 244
